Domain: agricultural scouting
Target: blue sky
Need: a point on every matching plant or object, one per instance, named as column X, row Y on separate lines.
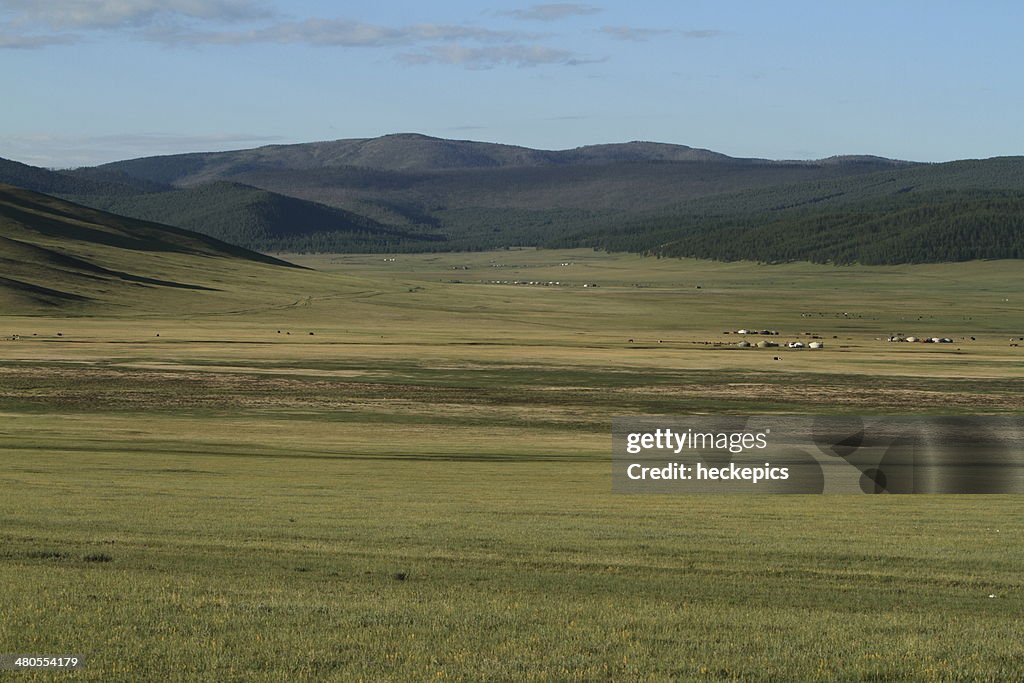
column 87, row 81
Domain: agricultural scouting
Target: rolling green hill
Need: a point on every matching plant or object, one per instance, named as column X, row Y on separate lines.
column 82, row 181
column 415, row 175
column 401, row 152
column 407, row 193
column 58, row 254
column 259, row 219
column 449, row 194
column 238, row 214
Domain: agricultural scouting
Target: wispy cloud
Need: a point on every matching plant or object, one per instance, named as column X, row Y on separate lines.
column 553, row 11
column 31, row 42
column 633, row 34
column 489, row 57
column 335, row 33
column 640, row 35
column 702, row 33
column 82, row 14
column 40, row 23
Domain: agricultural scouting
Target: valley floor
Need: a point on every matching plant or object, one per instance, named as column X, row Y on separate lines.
column 398, row 470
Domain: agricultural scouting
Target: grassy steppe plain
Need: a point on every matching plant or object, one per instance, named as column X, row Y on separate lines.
column 420, row 489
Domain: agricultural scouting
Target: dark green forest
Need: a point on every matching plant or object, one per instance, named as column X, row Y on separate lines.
column 260, row 220
column 406, row 194
column 919, row 228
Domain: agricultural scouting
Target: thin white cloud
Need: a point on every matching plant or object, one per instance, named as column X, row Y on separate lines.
column 633, row 34
column 456, row 32
column 100, row 14
column 335, row 33
column 32, row 42
column 553, row 11
column 489, row 57
column 40, row 23
column 701, row 33
column 639, row 35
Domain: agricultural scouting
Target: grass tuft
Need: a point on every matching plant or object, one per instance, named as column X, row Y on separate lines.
column 98, row 557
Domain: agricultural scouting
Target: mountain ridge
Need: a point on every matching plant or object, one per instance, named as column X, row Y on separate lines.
column 411, row 192
column 417, row 152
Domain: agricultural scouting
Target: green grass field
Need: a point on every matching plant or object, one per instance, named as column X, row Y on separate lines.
column 198, row 488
